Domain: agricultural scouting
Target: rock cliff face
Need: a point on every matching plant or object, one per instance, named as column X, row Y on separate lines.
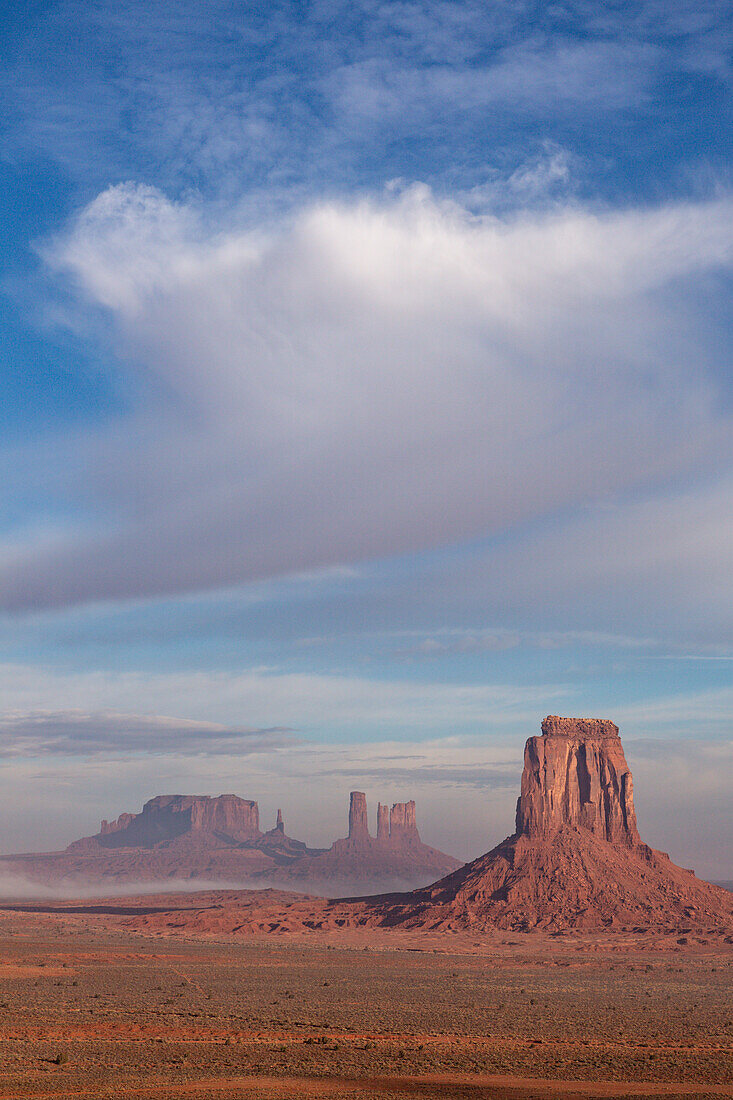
column 402, row 827
column 576, row 774
column 167, row 817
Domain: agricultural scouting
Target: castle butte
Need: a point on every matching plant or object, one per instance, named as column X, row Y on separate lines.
column 574, row 862
column 218, row 839
column 360, row 861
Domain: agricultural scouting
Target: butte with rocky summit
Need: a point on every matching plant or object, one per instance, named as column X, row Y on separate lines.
column 575, row 859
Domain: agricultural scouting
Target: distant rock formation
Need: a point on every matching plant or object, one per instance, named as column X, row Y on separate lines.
column 218, row 839
column 396, row 828
column 166, row 817
column 402, row 828
column 281, row 848
column 382, row 823
column 358, row 862
column 358, row 822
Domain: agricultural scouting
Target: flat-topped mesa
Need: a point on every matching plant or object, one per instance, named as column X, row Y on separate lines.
column 402, row 825
column 576, row 774
column 168, row 816
column 358, row 821
column 236, row 817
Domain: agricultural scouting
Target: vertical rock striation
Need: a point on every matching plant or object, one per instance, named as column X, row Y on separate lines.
column 402, row 826
column 358, row 822
column 576, row 774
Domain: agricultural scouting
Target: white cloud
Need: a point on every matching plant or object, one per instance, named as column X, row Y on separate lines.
column 371, row 378
column 660, row 565
column 532, row 76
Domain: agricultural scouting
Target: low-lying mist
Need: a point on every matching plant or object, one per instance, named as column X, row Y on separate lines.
column 19, row 888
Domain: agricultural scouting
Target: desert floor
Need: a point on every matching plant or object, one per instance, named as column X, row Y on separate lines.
column 90, row 1007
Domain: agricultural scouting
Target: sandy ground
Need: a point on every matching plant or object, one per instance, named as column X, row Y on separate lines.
column 91, row 1006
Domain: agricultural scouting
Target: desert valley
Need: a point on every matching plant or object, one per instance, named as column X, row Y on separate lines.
column 571, row 960
column 366, row 395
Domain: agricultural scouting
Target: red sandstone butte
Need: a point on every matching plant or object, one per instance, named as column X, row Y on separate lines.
column 575, row 861
column 576, row 774
column 166, row 817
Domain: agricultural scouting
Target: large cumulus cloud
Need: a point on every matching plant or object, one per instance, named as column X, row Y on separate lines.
column 367, row 379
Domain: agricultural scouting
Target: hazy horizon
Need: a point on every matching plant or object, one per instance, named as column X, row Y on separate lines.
column 366, row 396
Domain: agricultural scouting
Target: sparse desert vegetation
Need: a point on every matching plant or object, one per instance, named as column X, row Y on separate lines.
column 92, row 1010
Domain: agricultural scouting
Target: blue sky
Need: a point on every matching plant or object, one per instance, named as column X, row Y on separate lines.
column 365, row 383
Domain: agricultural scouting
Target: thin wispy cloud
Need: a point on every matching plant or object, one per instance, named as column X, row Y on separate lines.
column 106, row 733
column 308, row 704
column 223, row 99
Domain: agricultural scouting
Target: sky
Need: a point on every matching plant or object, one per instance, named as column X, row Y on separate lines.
column 365, row 396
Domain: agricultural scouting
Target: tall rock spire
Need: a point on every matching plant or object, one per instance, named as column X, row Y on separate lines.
column 382, row 823
column 358, row 823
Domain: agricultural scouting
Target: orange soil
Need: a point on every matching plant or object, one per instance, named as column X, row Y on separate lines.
column 432, row 1084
